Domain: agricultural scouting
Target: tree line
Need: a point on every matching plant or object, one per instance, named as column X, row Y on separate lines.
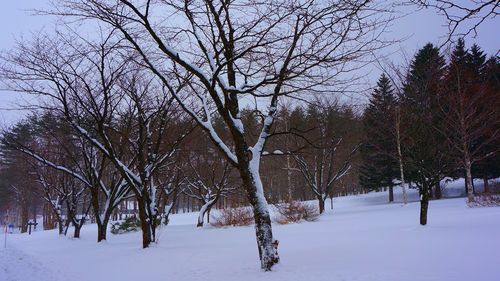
column 152, row 110
column 438, row 119
column 44, row 146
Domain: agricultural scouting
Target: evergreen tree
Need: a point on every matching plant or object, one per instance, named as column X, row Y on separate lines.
column 459, row 54
column 489, row 167
column 378, row 152
column 470, row 111
column 424, row 145
column 15, row 172
column 476, row 59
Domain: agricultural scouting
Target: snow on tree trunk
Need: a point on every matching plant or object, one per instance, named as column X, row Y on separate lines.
column 102, row 225
column 267, row 246
column 202, row 213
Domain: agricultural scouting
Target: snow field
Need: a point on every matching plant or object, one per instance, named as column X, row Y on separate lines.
column 362, row 238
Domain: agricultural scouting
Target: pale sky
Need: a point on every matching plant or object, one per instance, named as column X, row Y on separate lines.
column 17, row 22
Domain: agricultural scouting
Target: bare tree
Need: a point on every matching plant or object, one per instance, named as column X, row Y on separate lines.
column 207, row 182
column 170, row 184
column 470, row 109
column 58, row 148
column 322, row 170
column 50, row 142
column 110, row 103
column 54, row 198
column 106, row 185
column 66, row 196
column 227, row 50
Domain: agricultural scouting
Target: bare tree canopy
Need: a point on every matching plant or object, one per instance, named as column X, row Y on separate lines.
column 463, row 17
column 224, row 51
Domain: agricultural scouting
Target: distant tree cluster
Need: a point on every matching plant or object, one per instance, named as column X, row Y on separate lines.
column 321, row 136
column 444, row 121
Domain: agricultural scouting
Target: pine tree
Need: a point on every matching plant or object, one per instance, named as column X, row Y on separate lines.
column 476, row 59
column 424, row 147
column 15, row 173
column 378, row 152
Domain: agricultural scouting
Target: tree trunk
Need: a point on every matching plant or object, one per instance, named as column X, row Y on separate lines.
column 288, row 174
column 60, row 226
column 201, row 217
column 400, row 156
column 437, row 191
column 102, row 227
column 424, row 204
column 101, row 232
column 48, row 217
column 34, row 217
column 205, row 208
column 391, row 193
column 321, row 204
column 468, row 177
column 24, row 215
column 66, row 226
column 486, row 185
column 102, row 222
column 266, row 245
column 473, row 185
column 331, row 203
column 76, row 234
column 465, row 182
column 145, row 226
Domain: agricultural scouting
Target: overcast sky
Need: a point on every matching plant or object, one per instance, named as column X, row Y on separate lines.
column 17, row 22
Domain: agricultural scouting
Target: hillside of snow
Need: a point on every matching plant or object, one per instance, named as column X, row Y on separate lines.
column 362, row 238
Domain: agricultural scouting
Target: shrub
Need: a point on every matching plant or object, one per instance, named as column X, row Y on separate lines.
column 128, row 225
column 233, row 217
column 296, row 211
column 485, row 200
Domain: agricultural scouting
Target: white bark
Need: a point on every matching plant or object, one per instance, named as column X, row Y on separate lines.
column 400, row 156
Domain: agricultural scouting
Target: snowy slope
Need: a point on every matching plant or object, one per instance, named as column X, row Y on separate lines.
column 362, row 238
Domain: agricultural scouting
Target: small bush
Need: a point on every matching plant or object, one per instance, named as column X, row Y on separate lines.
column 296, row 211
column 233, row 217
column 485, row 200
column 128, row 225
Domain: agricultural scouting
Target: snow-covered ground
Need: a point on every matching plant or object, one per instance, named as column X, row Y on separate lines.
column 362, row 238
